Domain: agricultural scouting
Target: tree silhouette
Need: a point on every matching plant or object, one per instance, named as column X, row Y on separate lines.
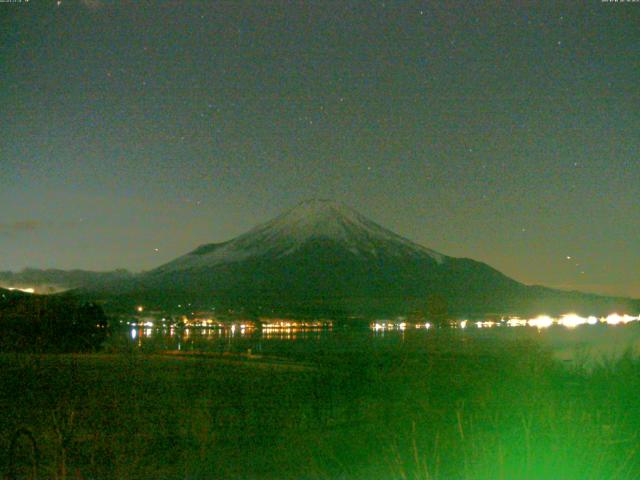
column 50, row 323
column 437, row 309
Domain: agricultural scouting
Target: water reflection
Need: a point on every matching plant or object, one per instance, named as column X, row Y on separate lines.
column 293, row 330
column 568, row 320
column 564, row 335
column 211, row 335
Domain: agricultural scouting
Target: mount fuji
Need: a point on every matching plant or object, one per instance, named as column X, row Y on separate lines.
column 323, row 257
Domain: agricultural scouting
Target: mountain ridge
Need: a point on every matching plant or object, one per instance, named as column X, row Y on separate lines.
column 56, row 280
column 325, row 257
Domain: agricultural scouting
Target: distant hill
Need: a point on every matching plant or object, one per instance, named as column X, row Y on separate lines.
column 53, row 280
column 324, row 258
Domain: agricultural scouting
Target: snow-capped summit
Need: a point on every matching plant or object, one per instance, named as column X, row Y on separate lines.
column 316, row 218
column 311, row 220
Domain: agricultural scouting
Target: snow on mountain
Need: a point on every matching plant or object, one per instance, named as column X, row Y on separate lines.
column 308, row 221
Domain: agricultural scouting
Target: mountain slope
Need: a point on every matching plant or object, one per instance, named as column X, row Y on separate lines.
column 324, row 258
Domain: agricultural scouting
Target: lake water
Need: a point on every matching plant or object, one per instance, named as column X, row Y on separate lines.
column 569, row 338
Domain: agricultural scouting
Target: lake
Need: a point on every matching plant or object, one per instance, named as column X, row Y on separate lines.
column 570, row 338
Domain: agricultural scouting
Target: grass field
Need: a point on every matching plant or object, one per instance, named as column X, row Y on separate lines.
column 446, row 407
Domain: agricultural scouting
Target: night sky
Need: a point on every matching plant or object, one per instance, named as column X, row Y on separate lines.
column 508, row 132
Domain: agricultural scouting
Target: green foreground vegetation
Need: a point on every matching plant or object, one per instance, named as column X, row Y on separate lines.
column 345, row 408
